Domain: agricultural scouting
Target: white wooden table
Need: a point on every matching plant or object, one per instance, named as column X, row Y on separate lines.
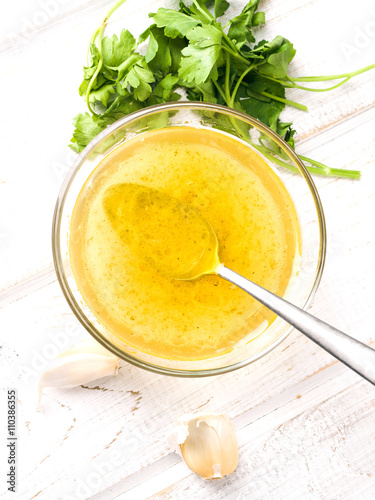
column 305, row 423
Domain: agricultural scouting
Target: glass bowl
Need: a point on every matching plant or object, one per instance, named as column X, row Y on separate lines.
column 279, row 156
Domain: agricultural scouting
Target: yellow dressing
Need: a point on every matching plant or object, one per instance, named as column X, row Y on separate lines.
column 111, row 241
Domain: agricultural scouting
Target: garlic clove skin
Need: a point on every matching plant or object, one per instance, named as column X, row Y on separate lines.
column 208, row 444
column 72, row 370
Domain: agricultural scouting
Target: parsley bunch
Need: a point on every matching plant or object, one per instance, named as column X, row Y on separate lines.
column 190, row 49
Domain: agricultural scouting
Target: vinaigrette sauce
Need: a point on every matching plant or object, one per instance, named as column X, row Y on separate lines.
column 245, row 203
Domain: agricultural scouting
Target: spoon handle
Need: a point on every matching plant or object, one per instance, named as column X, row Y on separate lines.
column 357, row 356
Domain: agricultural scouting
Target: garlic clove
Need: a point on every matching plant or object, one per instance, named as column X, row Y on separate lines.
column 208, row 444
column 72, row 370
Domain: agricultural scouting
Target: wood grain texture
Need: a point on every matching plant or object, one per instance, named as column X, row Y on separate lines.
column 305, row 423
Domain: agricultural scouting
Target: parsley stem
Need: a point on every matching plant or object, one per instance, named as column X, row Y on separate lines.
column 93, row 78
column 233, row 47
column 236, row 55
column 334, row 172
column 220, row 90
column 315, row 167
column 207, row 15
column 345, row 77
column 332, row 77
column 295, row 86
column 297, row 105
column 227, row 76
column 95, row 34
column 266, row 152
column 99, row 33
column 238, row 84
column 93, row 38
column 283, row 82
column 294, row 104
column 291, row 85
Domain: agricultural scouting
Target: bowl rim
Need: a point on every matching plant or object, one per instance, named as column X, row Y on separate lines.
column 56, row 242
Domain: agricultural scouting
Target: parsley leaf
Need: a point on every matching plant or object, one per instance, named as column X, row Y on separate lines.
column 280, row 53
column 175, row 24
column 121, row 106
column 86, row 128
column 221, row 7
column 241, row 25
column 286, row 131
column 201, row 55
column 163, row 53
column 102, row 94
column 139, row 78
column 115, row 50
column 204, row 92
column 189, row 49
column 164, row 89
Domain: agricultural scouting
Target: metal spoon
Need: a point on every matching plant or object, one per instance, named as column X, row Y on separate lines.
column 148, row 206
column 354, row 354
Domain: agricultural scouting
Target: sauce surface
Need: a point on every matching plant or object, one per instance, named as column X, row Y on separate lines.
column 240, row 197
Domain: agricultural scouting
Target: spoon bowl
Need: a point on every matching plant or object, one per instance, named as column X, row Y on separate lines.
column 156, row 226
